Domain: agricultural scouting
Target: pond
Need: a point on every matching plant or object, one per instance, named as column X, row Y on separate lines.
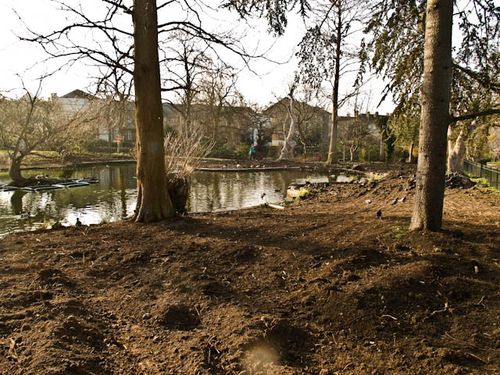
column 114, row 196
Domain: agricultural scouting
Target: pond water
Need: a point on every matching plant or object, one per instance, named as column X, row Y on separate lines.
column 114, row 197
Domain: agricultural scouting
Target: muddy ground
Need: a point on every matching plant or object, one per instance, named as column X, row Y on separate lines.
column 322, row 287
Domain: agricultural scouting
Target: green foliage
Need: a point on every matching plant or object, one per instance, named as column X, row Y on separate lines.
column 303, row 193
column 228, row 151
column 405, row 121
column 241, row 150
column 400, row 232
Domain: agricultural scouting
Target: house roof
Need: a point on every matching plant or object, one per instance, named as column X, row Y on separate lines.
column 77, row 94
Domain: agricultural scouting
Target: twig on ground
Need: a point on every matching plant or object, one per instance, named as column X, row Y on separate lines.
column 478, row 358
column 389, row 316
column 440, row 311
column 480, row 303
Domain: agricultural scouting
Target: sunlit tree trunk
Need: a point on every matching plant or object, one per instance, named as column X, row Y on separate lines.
column 410, row 152
column 456, row 152
column 153, row 200
column 289, row 144
column 435, row 117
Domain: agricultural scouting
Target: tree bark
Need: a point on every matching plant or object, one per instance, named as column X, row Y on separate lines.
column 435, row 117
column 381, row 151
column 15, row 171
column 332, row 149
column 456, row 152
column 410, row 152
column 289, row 144
column 153, row 200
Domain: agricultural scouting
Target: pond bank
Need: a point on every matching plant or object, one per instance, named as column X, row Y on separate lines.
column 321, row 287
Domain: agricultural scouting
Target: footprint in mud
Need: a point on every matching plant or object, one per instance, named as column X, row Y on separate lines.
column 244, row 255
column 75, row 331
column 179, row 317
column 214, row 288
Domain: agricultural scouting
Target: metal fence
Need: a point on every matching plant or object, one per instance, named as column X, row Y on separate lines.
column 492, row 175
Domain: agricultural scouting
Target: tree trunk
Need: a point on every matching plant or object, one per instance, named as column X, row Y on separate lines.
column 410, row 152
column 289, row 144
column 332, row 149
column 15, row 171
column 153, row 200
column 381, row 150
column 456, row 152
column 351, row 153
column 435, row 117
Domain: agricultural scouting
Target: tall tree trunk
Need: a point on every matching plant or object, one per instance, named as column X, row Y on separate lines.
column 456, row 152
column 435, row 117
column 153, row 200
column 410, row 152
column 332, row 149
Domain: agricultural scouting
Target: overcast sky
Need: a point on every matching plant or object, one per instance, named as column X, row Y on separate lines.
column 27, row 59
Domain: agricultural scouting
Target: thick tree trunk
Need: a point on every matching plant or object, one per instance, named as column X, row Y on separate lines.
column 456, row 152
column 15, row 171
column 435, row 117
column 332, row 148
column 153, row 200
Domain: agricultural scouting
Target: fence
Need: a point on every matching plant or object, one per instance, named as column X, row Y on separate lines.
column 492, row 175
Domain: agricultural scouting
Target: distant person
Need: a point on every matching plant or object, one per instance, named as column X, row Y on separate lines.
column 251, row 152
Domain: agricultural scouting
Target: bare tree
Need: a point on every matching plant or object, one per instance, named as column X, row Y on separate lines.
column 30, row 122
column 290, row 130
column 217, row 90
column 187, row 63
column 325, row 54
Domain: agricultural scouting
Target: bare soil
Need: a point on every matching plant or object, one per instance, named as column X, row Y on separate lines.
column 322, row 287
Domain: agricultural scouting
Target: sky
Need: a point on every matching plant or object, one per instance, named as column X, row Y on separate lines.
column 266, row 83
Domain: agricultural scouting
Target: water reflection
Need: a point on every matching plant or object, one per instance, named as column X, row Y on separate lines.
column 233, row 190
column 114, row 197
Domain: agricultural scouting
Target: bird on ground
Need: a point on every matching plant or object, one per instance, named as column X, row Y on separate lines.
column 262, row 195
column 379, row 213
column 78, row 222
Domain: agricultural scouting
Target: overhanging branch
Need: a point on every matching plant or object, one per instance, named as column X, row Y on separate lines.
column 473, row 115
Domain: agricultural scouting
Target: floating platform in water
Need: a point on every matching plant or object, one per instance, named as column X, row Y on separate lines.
column 63, row 184
column 72, row 184
column 40, row 188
